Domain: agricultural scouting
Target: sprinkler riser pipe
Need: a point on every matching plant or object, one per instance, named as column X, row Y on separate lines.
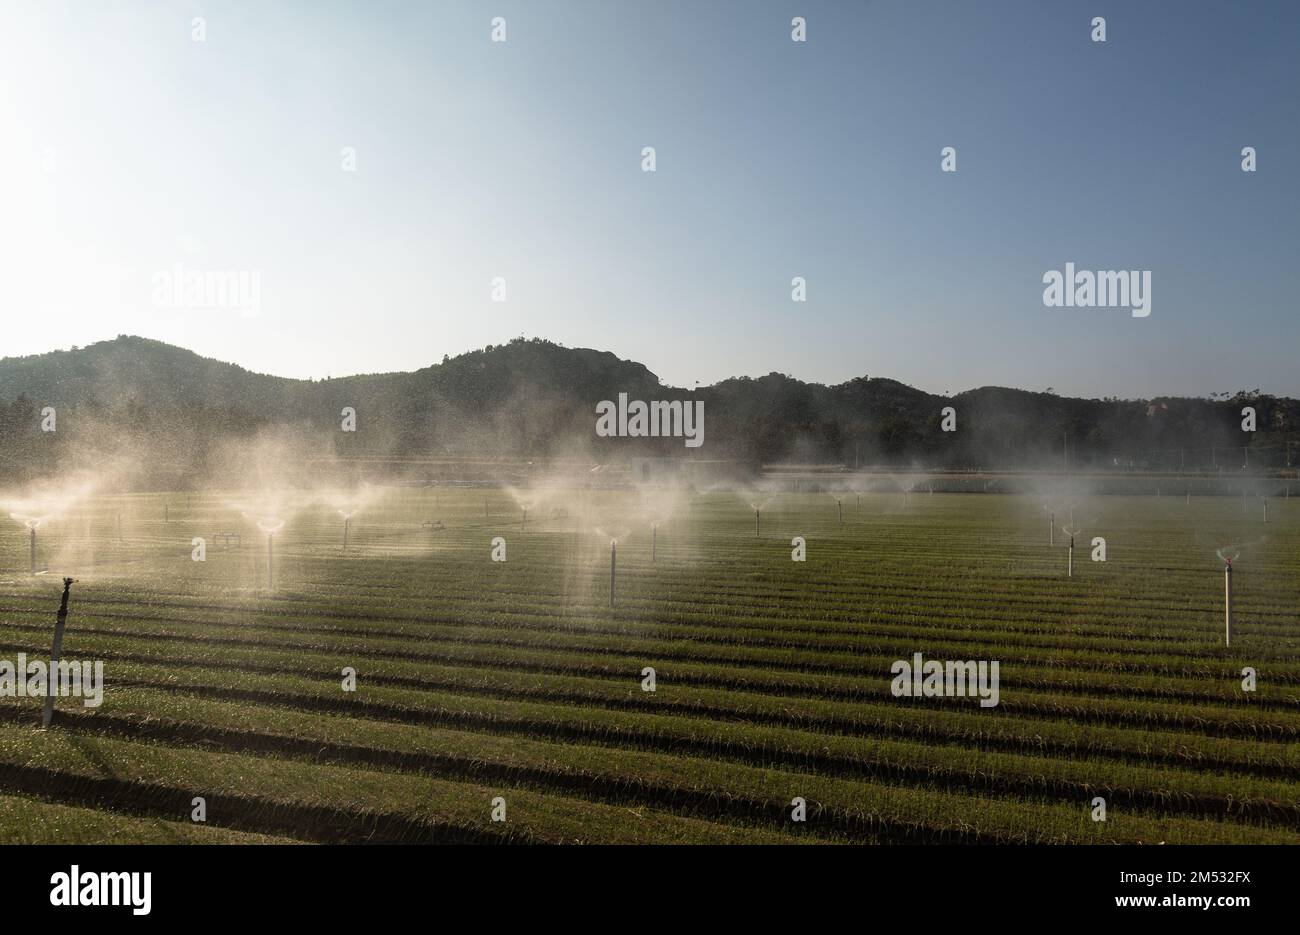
column 55, row 652
column 1227, row 605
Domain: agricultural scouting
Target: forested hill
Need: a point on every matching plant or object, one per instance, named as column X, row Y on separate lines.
column 536, row 399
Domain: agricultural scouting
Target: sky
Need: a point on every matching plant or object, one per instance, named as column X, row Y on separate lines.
column 130, row 151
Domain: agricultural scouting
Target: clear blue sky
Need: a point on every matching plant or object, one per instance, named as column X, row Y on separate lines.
column 775, row 159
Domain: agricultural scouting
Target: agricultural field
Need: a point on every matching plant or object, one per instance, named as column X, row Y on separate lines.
column 483, row 685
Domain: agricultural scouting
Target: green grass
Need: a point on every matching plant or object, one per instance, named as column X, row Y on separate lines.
column 478, row 679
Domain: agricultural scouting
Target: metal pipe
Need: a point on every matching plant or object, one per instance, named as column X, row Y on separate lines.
column 1227, row 604
column 51, row 681
column 1070, row 570
column 613, row 565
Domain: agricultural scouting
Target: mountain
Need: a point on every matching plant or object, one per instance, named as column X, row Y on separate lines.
column 174, row 409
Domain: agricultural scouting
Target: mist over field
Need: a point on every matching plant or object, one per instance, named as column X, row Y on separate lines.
column 535, row 400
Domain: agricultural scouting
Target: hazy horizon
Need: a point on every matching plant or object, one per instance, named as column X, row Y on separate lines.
column 754, row 376
column 134, row 150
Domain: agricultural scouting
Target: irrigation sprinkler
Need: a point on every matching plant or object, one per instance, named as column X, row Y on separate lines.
column 270, row 527
column 756, row 521
column 613, row 566
column 1051, row 529
column 839, row 505
column 1227, row 603
column 31, row 522
column 1266, row 509
column 524, row 522
column 347, row 524
column 1071, row 532
column 51, row 678
column 654, row 540
column 1227, row 554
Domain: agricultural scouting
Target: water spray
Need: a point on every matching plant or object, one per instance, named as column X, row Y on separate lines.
column 51, row 680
